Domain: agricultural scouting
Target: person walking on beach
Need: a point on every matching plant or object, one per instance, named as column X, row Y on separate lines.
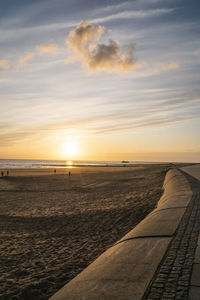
column 55, row 171
column 69, row 174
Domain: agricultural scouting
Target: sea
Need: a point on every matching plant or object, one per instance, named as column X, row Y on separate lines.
column 29, row 164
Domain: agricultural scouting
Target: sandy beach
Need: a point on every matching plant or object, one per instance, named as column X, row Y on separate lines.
column 53, row 225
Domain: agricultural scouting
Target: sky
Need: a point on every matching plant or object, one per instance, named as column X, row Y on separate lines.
column 100, row 80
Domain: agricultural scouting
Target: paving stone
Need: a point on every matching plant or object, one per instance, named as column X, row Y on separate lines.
column 176, row 269
column 158, row 285
column 173, row 280
column 155, row 296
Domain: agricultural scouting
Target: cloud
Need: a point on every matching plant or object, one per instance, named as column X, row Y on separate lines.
column 44, row 48
column 159, row 67
column 84, row 40
column 47, row 48
column 23, row 60
column 4, row 64
column 171, row 66
column 133, row 14
column 152, row 114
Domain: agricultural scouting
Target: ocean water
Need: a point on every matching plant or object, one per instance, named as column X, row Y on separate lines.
column 26, row 163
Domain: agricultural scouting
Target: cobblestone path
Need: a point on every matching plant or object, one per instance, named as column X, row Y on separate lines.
column 172, row 279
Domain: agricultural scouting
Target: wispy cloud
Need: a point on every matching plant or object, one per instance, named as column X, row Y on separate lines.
column 22, row 61
column 84, row 42
column 42, row 49
column 149, row 116
column 127, row 14
column 159, row 67
column 88, row 126
column 4, row 64
column 47, row 48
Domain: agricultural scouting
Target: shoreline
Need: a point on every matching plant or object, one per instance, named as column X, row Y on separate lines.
column 63, row 169
column 75, row 169
column 12, row 164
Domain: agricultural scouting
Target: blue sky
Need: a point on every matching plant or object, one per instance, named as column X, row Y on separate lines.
column 149, row 112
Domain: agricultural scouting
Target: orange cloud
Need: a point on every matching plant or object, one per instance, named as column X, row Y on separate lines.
column 166, row 66
column 47, row 48
column 83, row 42
column 171, row 66
column 23, row 60
column 4, row 64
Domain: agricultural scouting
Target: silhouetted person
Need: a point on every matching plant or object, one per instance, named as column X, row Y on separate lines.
column 2, row 173
column 55, row 171
column 7, row 173
column 69, row 174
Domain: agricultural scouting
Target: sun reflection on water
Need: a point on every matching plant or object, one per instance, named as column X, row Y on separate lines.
column 69, row 164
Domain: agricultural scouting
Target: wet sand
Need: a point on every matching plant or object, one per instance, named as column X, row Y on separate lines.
column 53, row 226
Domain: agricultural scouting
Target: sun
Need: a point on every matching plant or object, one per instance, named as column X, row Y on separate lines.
column 70, row 149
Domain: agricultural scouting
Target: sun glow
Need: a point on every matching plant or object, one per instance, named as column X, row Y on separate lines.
column 70, row 149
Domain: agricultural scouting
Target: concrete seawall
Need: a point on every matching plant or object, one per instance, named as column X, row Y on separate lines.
column 126, row 269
